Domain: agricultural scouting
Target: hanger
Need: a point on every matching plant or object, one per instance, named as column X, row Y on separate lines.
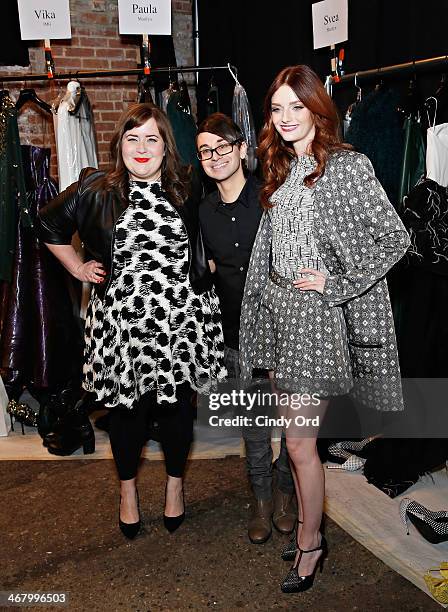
column 427, row 106
column 358, row 87
column 212, row 100
column 29, row 95
column 351, row 108
column 173, row 83
column 80, row 98
column 440, row 97
column 184, row 103
column 410, row 106
column 234, row 75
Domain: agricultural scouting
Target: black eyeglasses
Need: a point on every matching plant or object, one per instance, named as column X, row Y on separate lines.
column 223, row 149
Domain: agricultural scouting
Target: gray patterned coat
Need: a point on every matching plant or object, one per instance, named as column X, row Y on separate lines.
column 359, row 237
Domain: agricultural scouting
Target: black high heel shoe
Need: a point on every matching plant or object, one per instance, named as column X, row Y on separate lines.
column 293, row 583
column 290, row 550
column 174, row 522
column 432, row 525
column 129, row 530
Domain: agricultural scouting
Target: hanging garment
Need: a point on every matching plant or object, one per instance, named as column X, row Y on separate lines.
column 184, row 128
column 13, row 201
column 76, row 149
column 376, row 130
column 393, row 465
column 75, row 135
column 242, row 115
column 144, row 90
column 425, row 216
column 212, row 101
column 437, row 154
column 413, row 166
column 421, row 291
column 349, row 111
column 38, row 343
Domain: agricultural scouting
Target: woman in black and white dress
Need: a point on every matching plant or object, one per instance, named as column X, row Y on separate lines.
column 153, row 331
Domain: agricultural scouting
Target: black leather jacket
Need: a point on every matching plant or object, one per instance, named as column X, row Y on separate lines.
column 93, row 212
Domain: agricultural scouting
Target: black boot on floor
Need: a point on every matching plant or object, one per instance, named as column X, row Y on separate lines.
column 72, row 432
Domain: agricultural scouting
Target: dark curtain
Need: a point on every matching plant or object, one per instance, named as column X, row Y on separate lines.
column 261, row 38
column 13, row 51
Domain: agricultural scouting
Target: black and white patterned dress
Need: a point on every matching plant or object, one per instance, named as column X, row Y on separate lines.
column 297, row 334
column 151, row 331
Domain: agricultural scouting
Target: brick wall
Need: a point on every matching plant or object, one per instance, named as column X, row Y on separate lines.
column 95, row 44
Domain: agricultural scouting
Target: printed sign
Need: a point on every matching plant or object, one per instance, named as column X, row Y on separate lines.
column 330, row 22
column 144, row 16
column 41, row 19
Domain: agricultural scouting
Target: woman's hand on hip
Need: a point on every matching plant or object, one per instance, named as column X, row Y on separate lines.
column 314, row 282
column 90, row 272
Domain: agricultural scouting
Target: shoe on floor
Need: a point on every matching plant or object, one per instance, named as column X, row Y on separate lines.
column 259, row 528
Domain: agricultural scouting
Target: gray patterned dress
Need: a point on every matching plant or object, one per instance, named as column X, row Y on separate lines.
column 298, row 335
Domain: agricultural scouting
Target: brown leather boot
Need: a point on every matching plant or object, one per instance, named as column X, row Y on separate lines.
column 259, row 528
column 285, row 512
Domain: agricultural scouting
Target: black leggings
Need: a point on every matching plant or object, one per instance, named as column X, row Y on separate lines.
column 128, row 432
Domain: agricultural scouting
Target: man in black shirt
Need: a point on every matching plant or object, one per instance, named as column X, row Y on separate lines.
column 229, row 219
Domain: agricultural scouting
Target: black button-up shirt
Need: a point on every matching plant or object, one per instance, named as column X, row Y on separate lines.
column 229, row 232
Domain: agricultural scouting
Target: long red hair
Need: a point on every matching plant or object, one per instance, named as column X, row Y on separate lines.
column 274, row 153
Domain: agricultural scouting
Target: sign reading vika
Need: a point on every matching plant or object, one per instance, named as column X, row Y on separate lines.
column 144, row 16
column 41, row 19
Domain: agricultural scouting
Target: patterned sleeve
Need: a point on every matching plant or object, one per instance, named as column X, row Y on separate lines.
column 369, row 203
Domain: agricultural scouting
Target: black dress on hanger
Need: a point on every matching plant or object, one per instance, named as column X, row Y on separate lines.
column 39, row 343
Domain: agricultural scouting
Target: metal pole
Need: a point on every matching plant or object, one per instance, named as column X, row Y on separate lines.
column 419, row 64
column 106, row 73
column 196, row 36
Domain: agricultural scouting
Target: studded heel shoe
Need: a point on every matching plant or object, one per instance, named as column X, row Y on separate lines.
column 293, row 583
column 290, row 550
column 432, row 525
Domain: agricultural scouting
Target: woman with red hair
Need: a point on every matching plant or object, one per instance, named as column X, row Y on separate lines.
column 316, row 309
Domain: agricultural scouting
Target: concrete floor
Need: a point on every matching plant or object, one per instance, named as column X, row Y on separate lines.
column 59, row 532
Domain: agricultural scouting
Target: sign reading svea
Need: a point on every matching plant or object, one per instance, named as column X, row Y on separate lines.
column 144, row 16
column 330, row 22
column 40, row 19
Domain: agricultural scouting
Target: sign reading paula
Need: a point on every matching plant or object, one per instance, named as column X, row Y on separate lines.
column 144, row 16
column 44, row 19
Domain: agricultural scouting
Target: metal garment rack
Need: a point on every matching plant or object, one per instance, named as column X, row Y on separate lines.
column 108, row 73
column 406, row 67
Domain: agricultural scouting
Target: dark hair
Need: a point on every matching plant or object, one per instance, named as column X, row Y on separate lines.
column 223, row 126
column 173, row 176
column 276, row 154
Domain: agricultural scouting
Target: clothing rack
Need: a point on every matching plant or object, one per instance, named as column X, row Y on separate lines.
column 406, row 67
column 108, row 73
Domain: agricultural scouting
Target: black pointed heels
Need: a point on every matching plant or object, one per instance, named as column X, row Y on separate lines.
column 293, row 583
column 129, row 530
column 174, row 522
